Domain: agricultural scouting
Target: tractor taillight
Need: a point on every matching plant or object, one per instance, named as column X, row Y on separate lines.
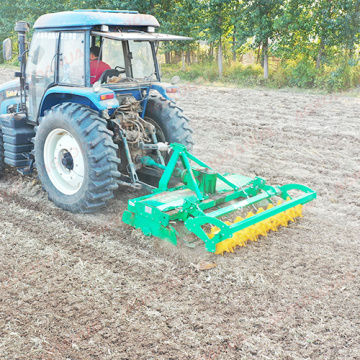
column 107, row 96
column 171, row 90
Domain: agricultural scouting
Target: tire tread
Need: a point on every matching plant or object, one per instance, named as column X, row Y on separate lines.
column 103, row 167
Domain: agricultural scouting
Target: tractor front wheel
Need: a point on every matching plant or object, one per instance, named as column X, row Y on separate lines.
column 76, row 158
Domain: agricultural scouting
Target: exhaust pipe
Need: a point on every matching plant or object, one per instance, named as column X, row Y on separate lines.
column 22, row 27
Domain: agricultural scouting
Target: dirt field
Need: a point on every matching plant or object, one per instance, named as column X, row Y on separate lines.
column 88, row 287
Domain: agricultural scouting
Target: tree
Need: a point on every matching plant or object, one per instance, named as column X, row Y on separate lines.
column 256, row 19
column 181, row 18
column 349, row 24
column 312, row 28
column 217, row 24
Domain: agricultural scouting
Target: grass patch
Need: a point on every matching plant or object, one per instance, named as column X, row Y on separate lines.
column 335, row 76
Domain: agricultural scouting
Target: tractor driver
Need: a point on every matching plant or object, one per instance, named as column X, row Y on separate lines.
column 97, row 67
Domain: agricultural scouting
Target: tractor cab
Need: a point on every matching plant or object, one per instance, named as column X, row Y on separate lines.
column 60, row 64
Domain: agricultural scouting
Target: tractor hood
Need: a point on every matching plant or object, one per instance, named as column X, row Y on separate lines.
column 10, row 85
column 9, row 90
column 139, row 36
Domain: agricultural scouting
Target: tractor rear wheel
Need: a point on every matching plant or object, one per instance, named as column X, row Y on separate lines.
column 2, row 157
column 75, row 157
column 171, row 124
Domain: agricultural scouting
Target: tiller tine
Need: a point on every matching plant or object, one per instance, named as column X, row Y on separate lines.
column 204, row 189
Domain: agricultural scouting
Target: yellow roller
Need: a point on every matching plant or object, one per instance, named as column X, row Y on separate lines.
column 252, row 233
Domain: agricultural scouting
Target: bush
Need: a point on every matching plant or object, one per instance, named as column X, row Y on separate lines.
column 249, row 75
column 209, row 72
column 336, row 75
column 300, row 73
column 280, row 78
column 233, row 73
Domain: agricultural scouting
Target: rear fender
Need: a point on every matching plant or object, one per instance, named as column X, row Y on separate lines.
column 79, row 95
column 161, row 90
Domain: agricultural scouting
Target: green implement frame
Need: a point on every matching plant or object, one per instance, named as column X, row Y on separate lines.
column 204, row 189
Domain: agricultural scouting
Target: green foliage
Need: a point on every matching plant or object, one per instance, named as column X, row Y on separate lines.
column 248, row 75
column 198, row 72
column 279, row 79
column 312, row 29
column 255, row 18
column 333, row 76
column 340, row 76
column 317, row 42
column 300, row 73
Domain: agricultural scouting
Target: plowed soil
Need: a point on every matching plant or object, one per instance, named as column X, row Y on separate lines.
column 89, row 287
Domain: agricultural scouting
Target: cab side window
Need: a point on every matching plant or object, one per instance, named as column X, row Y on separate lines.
column 40, row 69
column 71, row 58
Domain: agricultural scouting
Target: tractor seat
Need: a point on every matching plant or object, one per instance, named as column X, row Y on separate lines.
column 108, row 74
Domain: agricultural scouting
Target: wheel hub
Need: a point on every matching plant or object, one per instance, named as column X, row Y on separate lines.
column 68, row 161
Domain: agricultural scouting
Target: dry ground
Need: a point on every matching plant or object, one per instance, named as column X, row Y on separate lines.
column 88, row 287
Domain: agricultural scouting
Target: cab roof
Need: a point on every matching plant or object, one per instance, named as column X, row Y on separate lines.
column 87, row 19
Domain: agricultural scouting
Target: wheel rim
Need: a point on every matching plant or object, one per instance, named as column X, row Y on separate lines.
column 64, row 161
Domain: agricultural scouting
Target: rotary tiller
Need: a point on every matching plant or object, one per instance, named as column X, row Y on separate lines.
column 203, row 190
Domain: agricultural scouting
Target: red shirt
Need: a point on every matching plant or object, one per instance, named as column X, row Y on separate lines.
column 97, row 67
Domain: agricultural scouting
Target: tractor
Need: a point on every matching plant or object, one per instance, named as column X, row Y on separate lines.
column 88, row 110
column 72, row 126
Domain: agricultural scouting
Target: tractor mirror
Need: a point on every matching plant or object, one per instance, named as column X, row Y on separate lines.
column 175, row 80
column 7, row 49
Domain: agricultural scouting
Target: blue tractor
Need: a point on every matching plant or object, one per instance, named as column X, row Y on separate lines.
column 88, row 106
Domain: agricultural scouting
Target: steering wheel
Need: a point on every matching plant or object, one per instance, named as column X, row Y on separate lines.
column 120, row 69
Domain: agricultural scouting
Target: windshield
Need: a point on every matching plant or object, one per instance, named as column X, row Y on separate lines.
column 140, row 57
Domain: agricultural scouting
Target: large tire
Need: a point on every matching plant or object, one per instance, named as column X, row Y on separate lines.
column 76, row 158
column 2, row 157
column 172, row 125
